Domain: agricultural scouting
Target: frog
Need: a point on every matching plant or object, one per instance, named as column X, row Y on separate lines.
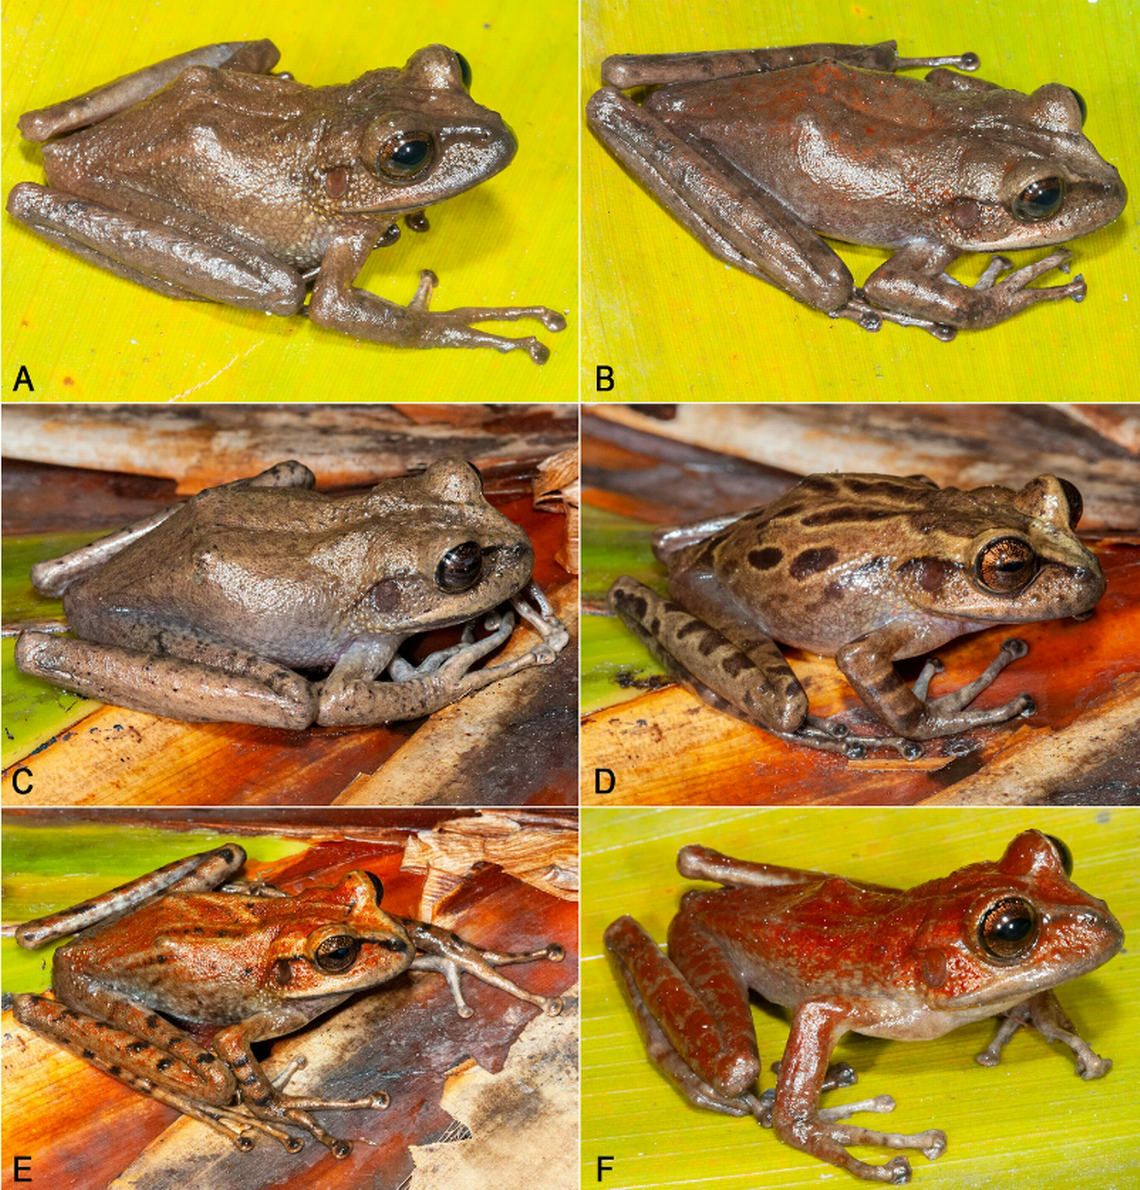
column 206, row 177
column 761, row 153
column 868, row 569
column 227, row 607
column 993, row 939
column 244, row 957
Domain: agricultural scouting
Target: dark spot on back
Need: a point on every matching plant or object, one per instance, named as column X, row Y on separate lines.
column 766, row 558
column 813, row 561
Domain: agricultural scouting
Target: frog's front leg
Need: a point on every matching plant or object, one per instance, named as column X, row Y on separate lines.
column 445, row 952
column 727, row 212
column 338, row 304
column 867, row 664
column 1044, row 1013
column 262, row 1100
column 914, row 283
column 354, row 695
column 816, row 1028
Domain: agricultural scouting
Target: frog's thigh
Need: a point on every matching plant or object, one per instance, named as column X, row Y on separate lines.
column 162, row 258
column 734, row 667
column 247, row 689
column 712, row 1034
column 728, row 214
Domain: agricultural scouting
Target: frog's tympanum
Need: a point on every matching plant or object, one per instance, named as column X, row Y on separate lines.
column 247, row 958
column 206, row 177
column 992, row 939
column 869, row 569
column 209, row 610
column 759, row 153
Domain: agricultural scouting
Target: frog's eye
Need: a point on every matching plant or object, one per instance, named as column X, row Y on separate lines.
column 1083, row 107
column 337, row 953
column 465, row 71
column 1008, row 928
column 1074, row 501
column 1063, row 853
column 1041, row 199
column 1005, row 565
column 405, row 155
column 459, row 569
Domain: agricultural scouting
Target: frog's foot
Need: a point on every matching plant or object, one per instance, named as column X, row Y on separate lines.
column 947, row 714
column 871, row 318
column 825, row 1137
column 1018, row 279
column 1044, row 1013
column 539, row 352
column 830, row 735
column 442, row 951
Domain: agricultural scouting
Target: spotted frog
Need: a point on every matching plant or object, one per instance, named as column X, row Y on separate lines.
column 206, row 177
column 247, row 958
column 870, row 569
column 761, row 153
column 992, row 939
column 209, row 610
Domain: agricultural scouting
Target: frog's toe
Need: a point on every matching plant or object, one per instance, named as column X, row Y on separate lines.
column 898, row 1171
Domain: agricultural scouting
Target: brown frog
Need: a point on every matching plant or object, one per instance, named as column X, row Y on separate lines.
column 206, row 177
column 208, row 610
column 246, row 958
column 869, row 569
column 760, row 153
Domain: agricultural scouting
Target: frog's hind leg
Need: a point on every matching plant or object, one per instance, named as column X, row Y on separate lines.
column 168, row 259
column 441, row 950
column 181, row 678
column 725, row 211
column 54, row 575
column 250, row 57
column 693, row 1012
column 648, row 70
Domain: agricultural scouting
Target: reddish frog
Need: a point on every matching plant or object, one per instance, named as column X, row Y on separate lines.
column 992, row 939
column 247, row 958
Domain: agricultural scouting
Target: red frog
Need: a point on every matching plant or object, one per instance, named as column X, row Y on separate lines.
column 992, row 939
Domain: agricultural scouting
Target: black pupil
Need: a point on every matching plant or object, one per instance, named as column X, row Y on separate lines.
column 1006, row 927
column 1039, row 199
column 461, row 567
column 337, row 954
column 411, row 154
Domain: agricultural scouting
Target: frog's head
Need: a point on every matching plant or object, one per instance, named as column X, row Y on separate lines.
column 337, row 940
column 399, row 140
column 998, row 932
column 1009, row 557
column 434, row 552
column 1028, row 176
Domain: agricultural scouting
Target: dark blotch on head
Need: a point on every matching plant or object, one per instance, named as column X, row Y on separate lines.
column 848, row 514
column 813, row 561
